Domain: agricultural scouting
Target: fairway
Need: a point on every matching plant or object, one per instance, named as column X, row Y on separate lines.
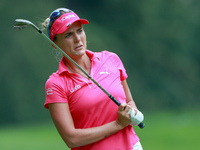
column 171, row 131
column 163, row 131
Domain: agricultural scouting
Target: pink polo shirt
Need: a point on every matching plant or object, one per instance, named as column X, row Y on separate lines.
column 89, row 105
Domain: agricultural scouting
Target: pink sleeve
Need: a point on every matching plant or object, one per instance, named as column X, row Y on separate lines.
column 55, row 92
column 118, row 63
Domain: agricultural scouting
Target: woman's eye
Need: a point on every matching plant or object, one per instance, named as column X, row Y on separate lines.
column 67, row 35
column 80, row 30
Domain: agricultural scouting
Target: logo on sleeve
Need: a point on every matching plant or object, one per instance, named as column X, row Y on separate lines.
column 49, row 91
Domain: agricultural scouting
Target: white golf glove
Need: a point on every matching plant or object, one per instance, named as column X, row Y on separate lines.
column 136, row 118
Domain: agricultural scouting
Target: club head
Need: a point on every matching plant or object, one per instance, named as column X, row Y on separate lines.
column 20, row 24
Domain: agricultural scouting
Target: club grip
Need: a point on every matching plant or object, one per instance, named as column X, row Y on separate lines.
column 141, row 125
column 114, row 100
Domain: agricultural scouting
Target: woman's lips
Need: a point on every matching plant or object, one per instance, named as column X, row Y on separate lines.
column 79, row 47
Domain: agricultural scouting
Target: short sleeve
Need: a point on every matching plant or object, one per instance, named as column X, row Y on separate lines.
column 55, row 92
column 118, row 63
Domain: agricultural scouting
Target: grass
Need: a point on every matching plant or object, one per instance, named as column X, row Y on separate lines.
column 171, row 131
column 163, row 131
column 32, row 137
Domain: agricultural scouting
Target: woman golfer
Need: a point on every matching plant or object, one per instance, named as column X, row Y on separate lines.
column 83, row 114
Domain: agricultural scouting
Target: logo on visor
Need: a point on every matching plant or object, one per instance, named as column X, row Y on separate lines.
column 67, row 17
column 52, row 31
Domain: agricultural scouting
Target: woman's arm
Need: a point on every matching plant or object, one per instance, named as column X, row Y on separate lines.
column 138, row 116
column 129, row 98
column 63, row 121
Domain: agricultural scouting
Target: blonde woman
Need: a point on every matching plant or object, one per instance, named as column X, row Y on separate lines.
column 84, row 116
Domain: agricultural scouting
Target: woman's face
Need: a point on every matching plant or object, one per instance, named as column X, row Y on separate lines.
column 72, row 41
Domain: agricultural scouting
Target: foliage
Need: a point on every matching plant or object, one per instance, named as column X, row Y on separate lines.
column 158, row 42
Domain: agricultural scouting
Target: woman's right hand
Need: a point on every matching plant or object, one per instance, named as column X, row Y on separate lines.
column 123, row 116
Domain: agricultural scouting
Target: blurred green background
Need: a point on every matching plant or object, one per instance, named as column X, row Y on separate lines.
column 158, row 42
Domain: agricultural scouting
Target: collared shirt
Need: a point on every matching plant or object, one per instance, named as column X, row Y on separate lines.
column 89, row 105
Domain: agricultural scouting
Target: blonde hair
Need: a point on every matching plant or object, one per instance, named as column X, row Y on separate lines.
column 45, row 23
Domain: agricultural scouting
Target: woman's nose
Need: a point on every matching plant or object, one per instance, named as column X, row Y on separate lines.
column 77, row 38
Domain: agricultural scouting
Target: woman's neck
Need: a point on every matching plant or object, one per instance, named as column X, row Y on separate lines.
column 84, row 62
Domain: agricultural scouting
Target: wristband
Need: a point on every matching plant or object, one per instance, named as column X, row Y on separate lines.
column 136, row 119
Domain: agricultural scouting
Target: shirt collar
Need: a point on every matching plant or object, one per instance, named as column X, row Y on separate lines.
column 62, row 67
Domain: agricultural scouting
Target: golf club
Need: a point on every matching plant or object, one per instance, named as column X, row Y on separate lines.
column 20, row 24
